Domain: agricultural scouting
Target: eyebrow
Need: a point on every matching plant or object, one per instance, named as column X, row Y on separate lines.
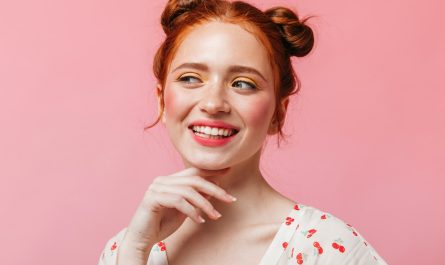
column 232, row 68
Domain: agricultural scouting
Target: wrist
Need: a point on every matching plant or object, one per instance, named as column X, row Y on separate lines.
column 135, row 246
column 132, row 254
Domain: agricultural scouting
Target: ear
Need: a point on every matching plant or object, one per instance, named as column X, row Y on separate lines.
column 273, row 128
column 284, row 104
column 159, row 98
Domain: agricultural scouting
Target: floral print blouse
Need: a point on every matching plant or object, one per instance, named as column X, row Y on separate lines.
column 306, row 236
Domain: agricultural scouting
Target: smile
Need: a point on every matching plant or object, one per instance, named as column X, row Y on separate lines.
column 212, row 136
column 213, row 132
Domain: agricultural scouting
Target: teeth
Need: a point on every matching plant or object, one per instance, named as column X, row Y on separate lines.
column 213, row 130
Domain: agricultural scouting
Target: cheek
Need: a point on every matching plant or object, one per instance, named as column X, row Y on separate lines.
column 169, row 99
column 174, row 102
column 258, row 112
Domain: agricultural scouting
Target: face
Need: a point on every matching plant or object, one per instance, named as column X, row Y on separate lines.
column 220, row 72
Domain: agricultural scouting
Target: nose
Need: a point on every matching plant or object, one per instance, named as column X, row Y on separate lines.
column 214, row 101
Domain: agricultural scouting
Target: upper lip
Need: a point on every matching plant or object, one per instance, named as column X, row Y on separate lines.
column 213, row 123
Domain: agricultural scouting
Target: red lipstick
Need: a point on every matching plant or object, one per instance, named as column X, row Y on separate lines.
column 206, row 140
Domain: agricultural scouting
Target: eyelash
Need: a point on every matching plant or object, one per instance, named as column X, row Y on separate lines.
column 183, row 79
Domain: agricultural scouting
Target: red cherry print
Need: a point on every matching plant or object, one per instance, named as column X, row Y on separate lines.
column 323, row 216
column 296, row 207
column 355, row 234
column 284, row 244
column 319, row 248
column 299, row 258
column 289, row 220
column 311, row 232
column 342, row 249
column 161, row 245
column 114, row 246
column 335, row 245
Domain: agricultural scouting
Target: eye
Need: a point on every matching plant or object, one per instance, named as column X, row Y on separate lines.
column 244, row 85
column 189, row 79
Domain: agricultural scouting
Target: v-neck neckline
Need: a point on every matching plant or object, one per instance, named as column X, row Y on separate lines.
column 275, row 248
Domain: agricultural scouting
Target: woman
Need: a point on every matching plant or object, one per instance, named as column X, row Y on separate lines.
column 224, row 80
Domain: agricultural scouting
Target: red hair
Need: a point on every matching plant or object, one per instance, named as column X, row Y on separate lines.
column 280, row 30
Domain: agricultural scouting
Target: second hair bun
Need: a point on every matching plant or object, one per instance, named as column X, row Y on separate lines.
column 298, row 37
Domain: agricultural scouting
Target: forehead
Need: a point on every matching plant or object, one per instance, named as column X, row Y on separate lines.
column 220, row 44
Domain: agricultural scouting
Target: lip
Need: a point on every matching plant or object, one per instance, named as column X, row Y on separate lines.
column 213, row 123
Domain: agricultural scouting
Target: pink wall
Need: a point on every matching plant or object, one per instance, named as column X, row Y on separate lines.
column 76, row 89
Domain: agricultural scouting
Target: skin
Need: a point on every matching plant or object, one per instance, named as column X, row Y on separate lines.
column 215, row 93
column 212, row 92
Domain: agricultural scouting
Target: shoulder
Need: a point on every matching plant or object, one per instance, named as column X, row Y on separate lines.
column 108, row 254
column 323, row 237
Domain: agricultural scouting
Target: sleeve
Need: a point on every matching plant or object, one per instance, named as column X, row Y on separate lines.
column 363, row 254
column 108, row 255
column 322, row 238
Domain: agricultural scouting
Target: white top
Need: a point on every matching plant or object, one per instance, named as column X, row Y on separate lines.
column 307, row 236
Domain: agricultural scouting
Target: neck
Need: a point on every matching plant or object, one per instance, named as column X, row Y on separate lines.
column 246, row 183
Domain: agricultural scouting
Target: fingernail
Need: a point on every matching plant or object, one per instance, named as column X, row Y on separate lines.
column 202, row 220
column 217, row 214
column 230, row 197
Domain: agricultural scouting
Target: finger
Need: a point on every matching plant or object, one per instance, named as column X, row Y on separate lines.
column 171, row 200
column 192, row 196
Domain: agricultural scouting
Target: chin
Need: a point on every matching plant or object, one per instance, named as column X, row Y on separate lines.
column 208, row 163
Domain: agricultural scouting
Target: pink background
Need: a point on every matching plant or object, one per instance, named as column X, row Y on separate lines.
column 367, row 130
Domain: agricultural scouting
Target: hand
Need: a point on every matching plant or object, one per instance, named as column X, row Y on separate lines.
column 169, row 200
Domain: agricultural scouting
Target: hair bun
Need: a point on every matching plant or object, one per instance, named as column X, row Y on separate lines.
column 174, row 9
column 298, row 37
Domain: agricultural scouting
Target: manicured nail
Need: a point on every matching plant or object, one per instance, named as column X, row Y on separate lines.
column 217, row 214
column 230, row 197
column 202, row 220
